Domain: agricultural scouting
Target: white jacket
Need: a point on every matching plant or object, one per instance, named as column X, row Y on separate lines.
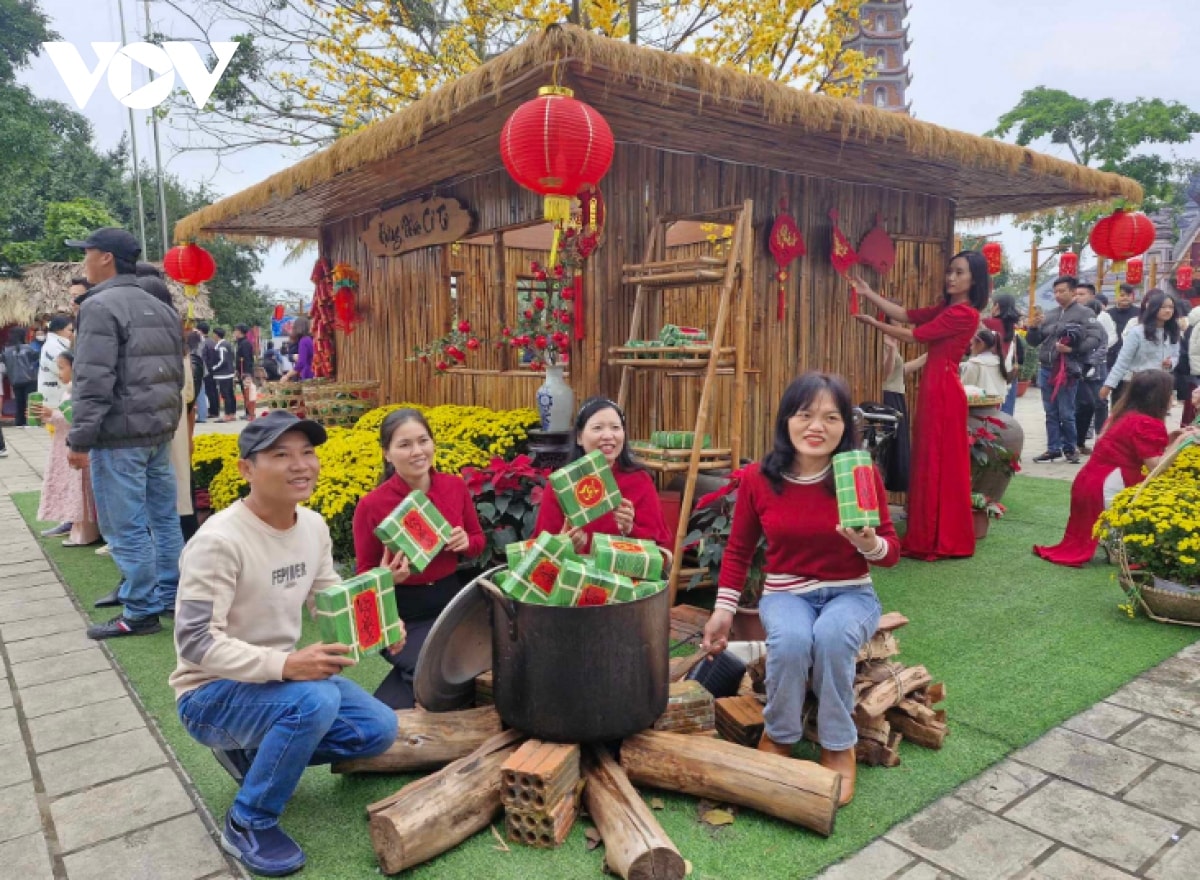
column 49, row 380
column 983, row 371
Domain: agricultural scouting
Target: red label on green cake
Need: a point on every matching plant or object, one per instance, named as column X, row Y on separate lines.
column 864, row 488
column 366, row 619
column 593, row 596
column 543, row 576
column 626, row 547
column 589, row 491
column 418, row 529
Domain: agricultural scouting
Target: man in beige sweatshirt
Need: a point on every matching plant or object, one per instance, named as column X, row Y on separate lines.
column 267, row 709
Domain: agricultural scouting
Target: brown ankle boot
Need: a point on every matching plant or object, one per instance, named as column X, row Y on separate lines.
column 766, row 744
column 846, row 763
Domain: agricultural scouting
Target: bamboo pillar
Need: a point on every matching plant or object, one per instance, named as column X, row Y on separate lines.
column 1033, row 276
column 1099, row 274
column 1153, row 282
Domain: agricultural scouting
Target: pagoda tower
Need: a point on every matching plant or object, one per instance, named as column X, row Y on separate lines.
column 881, row 34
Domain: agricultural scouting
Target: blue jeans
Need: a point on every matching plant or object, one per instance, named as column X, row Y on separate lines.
column 290, row 725
column 135, row 503
column 201, row 404
column 815, row 634
column 1060, row 413
column 1009, row 406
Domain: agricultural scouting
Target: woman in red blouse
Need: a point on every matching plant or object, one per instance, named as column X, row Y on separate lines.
column 818, row 605
column 601, row 425
column 408, row 451
column 939, row 495
column 1134, row 437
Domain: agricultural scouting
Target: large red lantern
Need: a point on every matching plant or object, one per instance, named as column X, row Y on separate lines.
column 555, row 145
column 190, row 265
column 1183, row 278
column 994, row 254
column 1068, row 264
column 1122, row 235
column 1134, row 270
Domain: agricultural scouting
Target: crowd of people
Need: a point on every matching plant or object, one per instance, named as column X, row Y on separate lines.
column 124, row 381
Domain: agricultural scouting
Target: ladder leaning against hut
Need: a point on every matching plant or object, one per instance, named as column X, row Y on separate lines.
column 732, row 275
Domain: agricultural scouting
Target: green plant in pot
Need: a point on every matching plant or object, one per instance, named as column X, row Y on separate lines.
column 992, row 463
column 1028, row 370
column 708, row 533
column 506, row 496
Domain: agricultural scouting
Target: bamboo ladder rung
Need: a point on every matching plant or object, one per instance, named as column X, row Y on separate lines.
column 688, row 278
column 700, row 262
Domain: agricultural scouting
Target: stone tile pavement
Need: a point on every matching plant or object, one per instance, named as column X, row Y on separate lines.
column 88, row 788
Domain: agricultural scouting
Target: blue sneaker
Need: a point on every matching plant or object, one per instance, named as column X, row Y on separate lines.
column 268, row 851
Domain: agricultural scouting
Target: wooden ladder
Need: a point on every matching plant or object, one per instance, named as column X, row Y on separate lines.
column 656, row 274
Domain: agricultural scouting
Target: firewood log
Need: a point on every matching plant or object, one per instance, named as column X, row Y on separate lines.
column 891, row 621
column 635, row 845
column 431, row 815
column 930, row 734
column 428, row 740
column 892, row 690
column 796, row 791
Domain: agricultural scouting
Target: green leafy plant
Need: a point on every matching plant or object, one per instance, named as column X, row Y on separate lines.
column 708, row 533
column 987, row 451
column 506, row 496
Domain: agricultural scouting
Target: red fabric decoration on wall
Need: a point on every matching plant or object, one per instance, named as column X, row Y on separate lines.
column 843, row 257
column 1134, row 270
column 1068, row 264
column 554, row 145
column 1183, row 278
column 786, row 244
column 1122, row 235
column 877, row 249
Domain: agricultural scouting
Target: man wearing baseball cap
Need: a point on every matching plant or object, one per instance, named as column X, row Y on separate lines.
column 267, row 709
column 128, row 398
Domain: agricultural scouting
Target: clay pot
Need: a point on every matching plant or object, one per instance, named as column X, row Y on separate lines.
column 992, row 480
column 747, row 626
column 1022, row 387
column 980, row 520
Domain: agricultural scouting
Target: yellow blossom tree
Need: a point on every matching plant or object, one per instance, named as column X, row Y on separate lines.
column 310, row 71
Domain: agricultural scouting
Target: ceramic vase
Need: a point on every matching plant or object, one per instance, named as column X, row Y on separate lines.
column 555, row 401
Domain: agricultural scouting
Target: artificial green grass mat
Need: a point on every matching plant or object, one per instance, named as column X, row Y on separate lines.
column 1021, row 644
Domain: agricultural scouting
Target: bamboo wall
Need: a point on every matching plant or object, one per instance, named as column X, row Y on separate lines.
column 406, row 301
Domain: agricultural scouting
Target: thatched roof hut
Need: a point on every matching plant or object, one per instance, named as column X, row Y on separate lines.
column 45, row 288
column 668, row 100
column 14, row 303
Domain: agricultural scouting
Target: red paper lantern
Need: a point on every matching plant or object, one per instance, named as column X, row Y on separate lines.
column 278, row 313
column 1122, row 235
column 1183, row 278
column 1134, row 270
column 555, row 145
column 994, row 254
column 190, row 265
column 1068, row 264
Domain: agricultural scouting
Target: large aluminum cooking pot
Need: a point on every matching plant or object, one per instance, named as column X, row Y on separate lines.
column 580, row 674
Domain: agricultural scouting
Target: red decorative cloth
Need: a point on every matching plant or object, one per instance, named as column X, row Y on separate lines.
column 1121, row 450
column 843, row 257
column 877, row 249
column 638, row 488
column 939, row 497
column 786, row 244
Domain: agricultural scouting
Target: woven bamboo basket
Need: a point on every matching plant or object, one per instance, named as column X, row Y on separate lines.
column 282, row 395
column 340, row 404
column 1161, row 605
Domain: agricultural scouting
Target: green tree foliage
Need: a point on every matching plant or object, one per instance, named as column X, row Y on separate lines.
column 23, row 28
column 1108, row 135
column 71, row 220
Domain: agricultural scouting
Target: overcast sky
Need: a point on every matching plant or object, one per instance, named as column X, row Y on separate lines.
column 970, row 59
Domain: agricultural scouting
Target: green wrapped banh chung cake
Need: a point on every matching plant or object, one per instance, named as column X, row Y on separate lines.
column 854, row 479
column 360, row 612
column 633, row 557
column 415, row 528
column 535, row 576
column 588, row 585
column 586, row 489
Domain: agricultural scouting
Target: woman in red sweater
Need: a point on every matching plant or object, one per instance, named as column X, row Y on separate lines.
column 408, row 451
column 601, row 425
column 818, row 605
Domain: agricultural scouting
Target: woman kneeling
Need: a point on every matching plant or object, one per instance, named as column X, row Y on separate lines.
column 818, row 606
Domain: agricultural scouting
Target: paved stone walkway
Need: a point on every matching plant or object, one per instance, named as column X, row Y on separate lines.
column 88, row 788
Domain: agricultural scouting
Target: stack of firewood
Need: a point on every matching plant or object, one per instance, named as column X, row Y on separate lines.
column 542, row 785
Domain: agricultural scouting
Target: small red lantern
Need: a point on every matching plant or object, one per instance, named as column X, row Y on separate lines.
column 554, row 145
column 994, row 254
column 190, row 265
column 1183, row 278
column 1068, row 263
column 1122, row 235
column 278, row 313
column 1134, row 270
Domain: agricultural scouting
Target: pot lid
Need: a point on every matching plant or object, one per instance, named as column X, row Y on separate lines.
column 457, row 649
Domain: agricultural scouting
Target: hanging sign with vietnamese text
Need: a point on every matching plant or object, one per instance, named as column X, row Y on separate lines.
column 417, row 224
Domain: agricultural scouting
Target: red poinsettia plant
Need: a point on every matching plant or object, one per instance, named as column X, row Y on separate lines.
column 708, row 532
column 506, row 496
column 986, row 449
column 450, row 350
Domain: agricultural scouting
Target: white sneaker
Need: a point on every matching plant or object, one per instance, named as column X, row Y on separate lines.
column 3, row 453
column 103, row 551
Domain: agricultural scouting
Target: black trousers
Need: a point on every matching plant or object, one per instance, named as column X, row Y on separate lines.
column 1090, row 410
column 419, row 608
column 227, row 395
column 214, row 400
column 21, row 397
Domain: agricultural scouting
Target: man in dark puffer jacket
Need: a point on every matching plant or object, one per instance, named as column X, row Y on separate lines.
column 127, row 401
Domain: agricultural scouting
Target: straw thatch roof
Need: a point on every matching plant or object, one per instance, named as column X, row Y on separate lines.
column 14, row 303
column 45, row 286
column 667, row 100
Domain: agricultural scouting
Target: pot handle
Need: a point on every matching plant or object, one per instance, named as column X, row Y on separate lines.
column 504, row 602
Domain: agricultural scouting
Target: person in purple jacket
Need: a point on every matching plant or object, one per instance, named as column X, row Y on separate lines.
column 302, row 345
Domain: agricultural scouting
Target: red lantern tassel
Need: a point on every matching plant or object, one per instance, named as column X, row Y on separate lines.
column 578, row 283
column 854, row 307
